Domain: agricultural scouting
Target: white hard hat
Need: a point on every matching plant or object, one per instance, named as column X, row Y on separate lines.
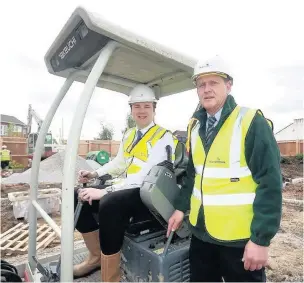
column 4, row 146
column 142, row 93
column 215, row 65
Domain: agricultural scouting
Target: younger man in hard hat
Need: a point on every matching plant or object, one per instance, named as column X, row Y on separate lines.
column 234, row 185
column 5, row 157
column 141, row 148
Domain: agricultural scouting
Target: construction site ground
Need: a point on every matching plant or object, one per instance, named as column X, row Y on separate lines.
column 286, row 250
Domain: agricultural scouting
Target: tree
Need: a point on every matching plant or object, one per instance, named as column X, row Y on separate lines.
column 106, row 132
column 10, row 130
column 130, row 121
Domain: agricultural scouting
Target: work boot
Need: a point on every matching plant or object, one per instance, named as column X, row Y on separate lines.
column 110, row 267
column 92, row 262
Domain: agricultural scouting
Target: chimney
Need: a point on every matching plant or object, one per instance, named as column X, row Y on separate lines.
column 299, row 128
column 299, row 121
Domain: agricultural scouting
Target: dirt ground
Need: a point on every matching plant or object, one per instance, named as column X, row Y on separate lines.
column 286, row 250
column 7, row 217
column 294, row 191
column 8, row 188
column 292, row 168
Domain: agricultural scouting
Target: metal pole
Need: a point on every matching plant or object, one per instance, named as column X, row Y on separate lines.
column 62, row 134
column 35, row 167
column 47, row 218
column 67, row 226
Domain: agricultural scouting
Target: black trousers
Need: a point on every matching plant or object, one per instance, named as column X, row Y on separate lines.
column 4, row 164
column 114, row 211
column 215, row 263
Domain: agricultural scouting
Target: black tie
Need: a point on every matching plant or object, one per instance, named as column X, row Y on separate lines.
column 138, row 137
column 210, row 122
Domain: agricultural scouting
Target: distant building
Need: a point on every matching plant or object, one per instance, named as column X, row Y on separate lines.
column 292, row 132
column 290, row 138
column 11, row 126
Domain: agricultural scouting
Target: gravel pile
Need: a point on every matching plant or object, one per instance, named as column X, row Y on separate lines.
column 50, row 171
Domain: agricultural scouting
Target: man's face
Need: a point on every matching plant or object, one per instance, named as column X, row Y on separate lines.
column 142, row 113
column 212, row 91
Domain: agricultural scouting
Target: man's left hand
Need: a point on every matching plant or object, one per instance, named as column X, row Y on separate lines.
column 255, row 257
column 90, row 194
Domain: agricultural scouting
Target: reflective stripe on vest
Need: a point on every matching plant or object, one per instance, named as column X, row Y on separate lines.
column 190, row 127
column 224, row 179
column 138, row 155
column 5, row 155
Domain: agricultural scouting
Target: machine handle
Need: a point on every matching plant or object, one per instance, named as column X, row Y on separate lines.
column 78, row 207
column 169, row 153
column 168, row 244
column 41, row 269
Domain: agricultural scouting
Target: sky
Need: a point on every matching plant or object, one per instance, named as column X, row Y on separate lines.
column 261, row 40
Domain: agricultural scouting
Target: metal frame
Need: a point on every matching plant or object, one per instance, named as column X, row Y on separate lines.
column 175, row 76
column 35, row 170
column 67, row 240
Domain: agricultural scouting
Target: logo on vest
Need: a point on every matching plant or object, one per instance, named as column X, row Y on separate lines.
column 234, row 179
column 217, row 161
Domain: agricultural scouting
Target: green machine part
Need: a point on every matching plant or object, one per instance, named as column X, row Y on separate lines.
column 102, row 157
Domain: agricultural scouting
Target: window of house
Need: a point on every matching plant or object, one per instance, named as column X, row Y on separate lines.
column 3, row 130
column 17, row 129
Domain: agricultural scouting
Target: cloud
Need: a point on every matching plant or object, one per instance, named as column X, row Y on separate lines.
column 28, row 62
column 291, row 80
column 255, row 47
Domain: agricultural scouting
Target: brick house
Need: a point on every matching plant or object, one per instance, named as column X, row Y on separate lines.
column 11, row 126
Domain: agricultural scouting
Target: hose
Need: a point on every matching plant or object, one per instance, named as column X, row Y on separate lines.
column 9, row 272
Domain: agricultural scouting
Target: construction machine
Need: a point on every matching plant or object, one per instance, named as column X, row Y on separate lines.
column 50, row 146
column 98, row 53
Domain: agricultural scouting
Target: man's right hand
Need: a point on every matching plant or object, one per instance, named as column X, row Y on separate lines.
column 175, row 221
column 84, row 176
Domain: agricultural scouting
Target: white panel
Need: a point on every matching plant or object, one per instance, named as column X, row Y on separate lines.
column 138, row 59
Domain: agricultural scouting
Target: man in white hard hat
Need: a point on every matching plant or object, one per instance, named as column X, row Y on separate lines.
column 234, row 184
column 141, row 148
column 5, row 157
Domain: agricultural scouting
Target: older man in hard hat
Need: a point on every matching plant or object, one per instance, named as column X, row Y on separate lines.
column 234, row 184
column 5, row 157
column 141, row 148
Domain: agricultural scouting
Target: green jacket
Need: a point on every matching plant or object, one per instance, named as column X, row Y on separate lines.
column 263, row 159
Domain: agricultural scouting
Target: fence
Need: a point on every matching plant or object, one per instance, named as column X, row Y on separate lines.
column 96, row 145
column 291, row 148
column 18, row 147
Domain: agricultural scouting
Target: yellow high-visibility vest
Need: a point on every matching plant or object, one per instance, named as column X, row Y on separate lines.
column 137, row 155
column 223, row 182
column 5, row 155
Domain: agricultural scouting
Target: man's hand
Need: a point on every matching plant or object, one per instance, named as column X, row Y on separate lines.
column 175, row 221
column 255, row 257
column 84, row 176
column 90, row 194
